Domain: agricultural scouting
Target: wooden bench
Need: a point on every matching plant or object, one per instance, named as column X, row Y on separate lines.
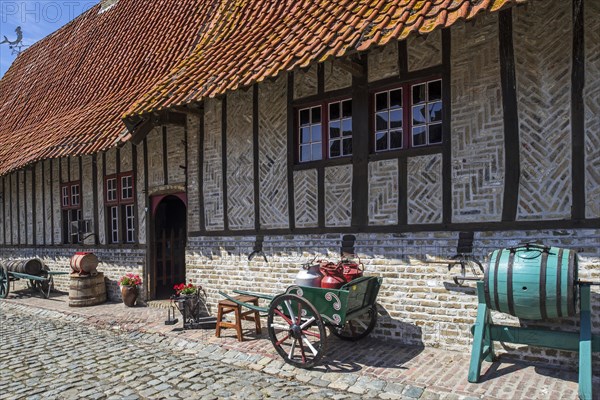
column 227, row 306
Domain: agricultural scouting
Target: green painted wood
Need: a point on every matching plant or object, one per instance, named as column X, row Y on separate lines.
column 485, row 334
column 334, row 304
column 559, row 340
column 532, row 282
column 259, row 295
column 262, row 310
column 479, row 340
column 27, row 276
column 585, row 345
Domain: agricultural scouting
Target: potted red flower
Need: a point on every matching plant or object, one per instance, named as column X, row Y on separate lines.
column 130, row 284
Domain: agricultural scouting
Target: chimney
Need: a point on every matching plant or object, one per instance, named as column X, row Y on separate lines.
column 106, row 5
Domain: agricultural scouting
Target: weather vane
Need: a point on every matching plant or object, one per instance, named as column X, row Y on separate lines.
column 16, row 46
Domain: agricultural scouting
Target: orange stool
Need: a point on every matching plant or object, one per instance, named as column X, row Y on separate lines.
column 228, row 306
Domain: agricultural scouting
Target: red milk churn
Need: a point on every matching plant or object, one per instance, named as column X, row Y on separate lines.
column 334, row 277
column 351, row 270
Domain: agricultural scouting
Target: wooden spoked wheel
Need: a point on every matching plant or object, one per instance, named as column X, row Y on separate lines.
column 4, row 283
column 296, row 330
column 358, row 327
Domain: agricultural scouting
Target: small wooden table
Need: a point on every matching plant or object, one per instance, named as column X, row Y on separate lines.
column 228, row 306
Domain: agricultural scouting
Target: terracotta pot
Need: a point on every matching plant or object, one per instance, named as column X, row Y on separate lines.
column 129, row 295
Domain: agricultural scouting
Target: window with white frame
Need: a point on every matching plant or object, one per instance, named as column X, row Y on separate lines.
column 315, row 143
column 120, row 198
column 408, row 115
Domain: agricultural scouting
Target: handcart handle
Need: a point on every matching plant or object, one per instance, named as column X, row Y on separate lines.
column 247, row 305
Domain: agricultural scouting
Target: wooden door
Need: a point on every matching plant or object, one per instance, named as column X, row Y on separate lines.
column 169, row 246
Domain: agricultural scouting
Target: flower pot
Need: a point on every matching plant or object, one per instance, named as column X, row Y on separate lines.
column 129, row 295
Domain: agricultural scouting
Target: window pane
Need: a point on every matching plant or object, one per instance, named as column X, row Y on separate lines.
column 381, row 101
column 305, row 153
column 334, row 129
column 381, row 141
column 396, row 119
column 419, row 135
column 435, row 133
column 347, row 108
column 316, row 133
column 334, row 111
column 435, row 90
column 418, row 115
column 418, row 94
column 435, row 111
column 316, row 115
column 395, row 139
column 317, row 153
column 347, row 127
column 347, row 147
column 334, row 148
column 305, row 116
column 305, row 135
column 396, row 98
column 381, row 121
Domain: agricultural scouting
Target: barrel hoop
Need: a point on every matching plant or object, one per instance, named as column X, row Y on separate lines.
column 496, row 297
column 570, row 288
column 543, row 273
column 509, row 283
column 486, row 284
column 559, row 282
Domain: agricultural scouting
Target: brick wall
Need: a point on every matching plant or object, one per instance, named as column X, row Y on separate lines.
column 114, row 263
column 419, row 304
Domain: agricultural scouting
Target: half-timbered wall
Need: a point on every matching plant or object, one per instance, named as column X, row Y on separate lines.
column 591, row 99
column 543, row 58
column 411, row 197
column 507, row 170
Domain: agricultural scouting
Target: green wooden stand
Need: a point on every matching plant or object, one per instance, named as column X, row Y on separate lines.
column 486, row 333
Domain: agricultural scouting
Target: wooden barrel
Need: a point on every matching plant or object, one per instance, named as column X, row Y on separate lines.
column 88, row 290
column 532, row 282
column 31, row 266
column 84, row 263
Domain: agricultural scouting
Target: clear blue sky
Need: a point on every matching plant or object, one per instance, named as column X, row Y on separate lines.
column 37, row 20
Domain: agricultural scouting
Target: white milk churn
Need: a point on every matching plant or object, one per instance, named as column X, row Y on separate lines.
column 309, row 276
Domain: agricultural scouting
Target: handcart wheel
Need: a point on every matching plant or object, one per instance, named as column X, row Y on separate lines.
column 296, row 330
column 468, row 264
column 47, row 285
column 4, row 283
column 359, row 327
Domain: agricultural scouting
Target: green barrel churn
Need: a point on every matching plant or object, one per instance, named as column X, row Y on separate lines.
column 532, row 282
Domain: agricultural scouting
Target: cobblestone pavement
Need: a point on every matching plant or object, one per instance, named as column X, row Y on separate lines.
column 370, row 369
column 42, row 358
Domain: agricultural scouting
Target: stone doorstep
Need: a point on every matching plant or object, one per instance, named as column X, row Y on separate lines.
column 426, row 373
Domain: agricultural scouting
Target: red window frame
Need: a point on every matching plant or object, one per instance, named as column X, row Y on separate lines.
column 407, row 106
column 324, row 104
column 120, row 203
column 69, row 188
column 69, row 210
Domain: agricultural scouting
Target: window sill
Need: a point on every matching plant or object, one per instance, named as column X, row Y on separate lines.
column 415, row 151
column 323, row 163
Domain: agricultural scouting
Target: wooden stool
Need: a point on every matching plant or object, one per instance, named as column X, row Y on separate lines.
column 227, row 306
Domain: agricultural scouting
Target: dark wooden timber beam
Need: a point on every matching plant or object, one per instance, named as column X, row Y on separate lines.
column 356, row 68
column 140, row 127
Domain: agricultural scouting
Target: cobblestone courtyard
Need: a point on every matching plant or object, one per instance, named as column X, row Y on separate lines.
column 50, row 350
column 41, row 358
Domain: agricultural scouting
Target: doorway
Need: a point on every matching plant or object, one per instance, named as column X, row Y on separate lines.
column 169, row 241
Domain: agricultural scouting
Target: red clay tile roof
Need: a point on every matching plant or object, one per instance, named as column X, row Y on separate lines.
column 248, row 41
column 65, row 95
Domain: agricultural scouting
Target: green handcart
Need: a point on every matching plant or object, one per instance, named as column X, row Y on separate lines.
column 43, row 281
column 296, row 319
